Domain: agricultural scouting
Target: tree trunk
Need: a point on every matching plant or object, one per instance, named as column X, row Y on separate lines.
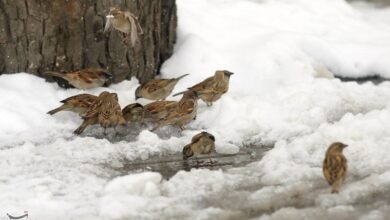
column 66, row 35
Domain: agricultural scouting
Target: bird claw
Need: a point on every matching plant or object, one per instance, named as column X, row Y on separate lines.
column 199, row 162
column 212, row 162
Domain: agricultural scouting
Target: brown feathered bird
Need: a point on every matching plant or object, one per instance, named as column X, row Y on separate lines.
column 125, row 22
column 88, row 78
column 184, row 112
column 158, row 110
column 202, row 143
column 335, row 166
column 157, row 89
column 78, row 104
column 134, row 113
column 212, row 88
column 104, row 111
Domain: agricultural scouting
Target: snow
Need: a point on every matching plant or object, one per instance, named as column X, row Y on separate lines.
column 285, row 55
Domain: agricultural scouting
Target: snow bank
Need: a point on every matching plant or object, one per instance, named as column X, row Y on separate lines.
column 284, row 55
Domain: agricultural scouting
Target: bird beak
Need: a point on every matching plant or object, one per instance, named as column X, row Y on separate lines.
column 109, row 16
column 228, row 73
column 345, row 145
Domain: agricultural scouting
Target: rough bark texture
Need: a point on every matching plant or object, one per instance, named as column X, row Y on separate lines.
column 65, row 35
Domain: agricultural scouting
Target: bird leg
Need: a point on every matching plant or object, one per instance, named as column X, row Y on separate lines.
column 116, row 131
column 211, row 162
column 82, row 127
column 104, row 131
column 155, row 128
column 198, row 161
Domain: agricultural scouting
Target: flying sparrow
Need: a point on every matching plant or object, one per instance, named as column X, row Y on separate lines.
column 133, row 112
column 88, row 78
column 213, row 87
column 78, row 104
column 157, row 89
column 125, row 22
column 202, row 143
column 335, row 166
column 105, row 111
column 184, row 113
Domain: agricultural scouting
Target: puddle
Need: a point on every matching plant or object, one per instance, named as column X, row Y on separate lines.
column 169, row 165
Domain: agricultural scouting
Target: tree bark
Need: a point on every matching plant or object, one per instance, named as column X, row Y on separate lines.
column 66, row 35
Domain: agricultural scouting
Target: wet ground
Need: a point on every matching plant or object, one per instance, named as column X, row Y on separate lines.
column 169, row 165
column 373, row 79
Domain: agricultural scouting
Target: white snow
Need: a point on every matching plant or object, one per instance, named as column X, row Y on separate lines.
column 284, row 55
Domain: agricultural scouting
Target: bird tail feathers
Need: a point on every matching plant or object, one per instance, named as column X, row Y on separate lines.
column 56, row 74
column 182, row 76
column 61, row 108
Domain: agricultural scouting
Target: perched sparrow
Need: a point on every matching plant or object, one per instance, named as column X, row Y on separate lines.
column 184, row 113
column 125, row 22
column 202, row 143
column 78, row 104
column 213, row 87
column 85, row 78
column 133, row 112
column 335, row 166
column 105, row 110
column 157, row 89
column 158, row 110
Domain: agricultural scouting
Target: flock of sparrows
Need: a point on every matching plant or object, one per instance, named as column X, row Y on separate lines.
column 106, row 111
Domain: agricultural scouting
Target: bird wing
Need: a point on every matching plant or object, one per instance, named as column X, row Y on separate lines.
column 110, row 112
column 108, row 25
column 85, row 96
column 186, row 107
column 93, row 109
column 196, row 138
column 157, row 84
column 134, row 26
column 83, row 100
column 334, row 168
column 207, row 83
column 159, row 106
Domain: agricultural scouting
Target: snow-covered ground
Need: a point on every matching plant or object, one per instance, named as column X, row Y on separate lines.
column 284, row 54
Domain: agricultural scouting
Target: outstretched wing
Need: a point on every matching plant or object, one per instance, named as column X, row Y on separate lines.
column 134, row 26
column 108, row 25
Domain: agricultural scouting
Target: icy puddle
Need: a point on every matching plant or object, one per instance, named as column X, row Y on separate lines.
column 168, row 166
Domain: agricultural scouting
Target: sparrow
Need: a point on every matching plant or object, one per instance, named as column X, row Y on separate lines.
column 125, row 22
column 202, row 143
column 78, row 104
column 133, row 112
column 184, row 112
column 88, row 78
column 157, row 89
column 105, row 111
column 158, row 110
column 213, row 87
column 335, row 166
